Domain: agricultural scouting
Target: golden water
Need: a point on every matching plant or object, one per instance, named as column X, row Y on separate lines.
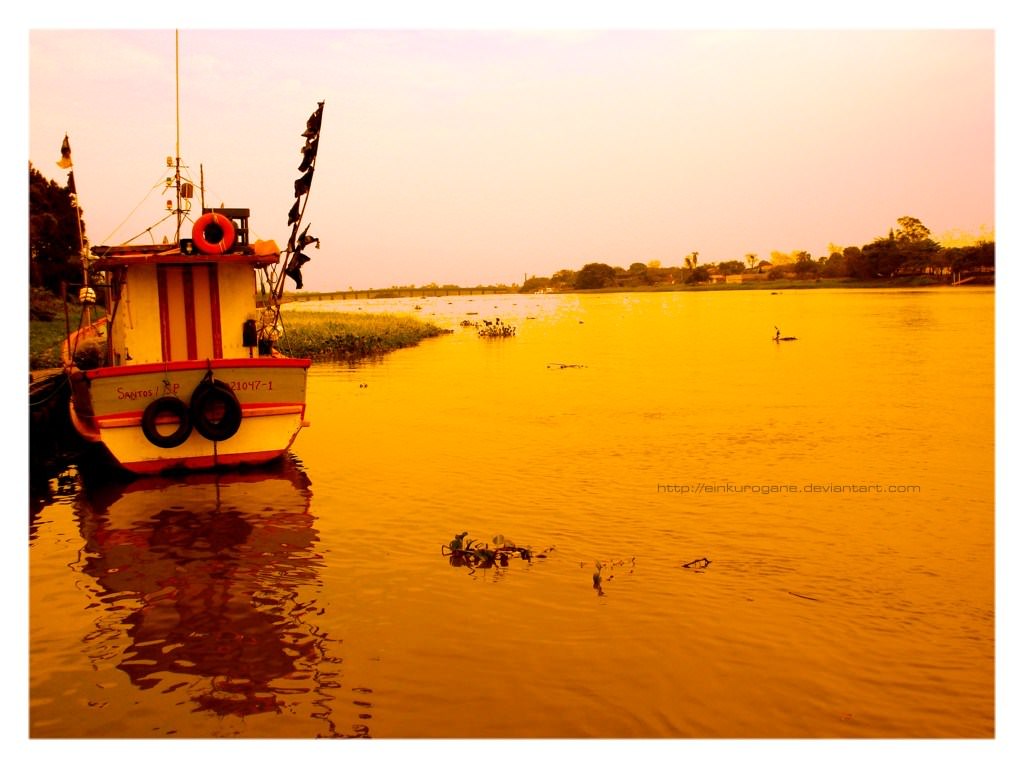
column 841, row 486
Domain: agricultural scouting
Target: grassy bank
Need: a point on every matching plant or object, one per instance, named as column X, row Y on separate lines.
column 47, row 327
column 44, row 339
column 316, row 335
column 351, row 335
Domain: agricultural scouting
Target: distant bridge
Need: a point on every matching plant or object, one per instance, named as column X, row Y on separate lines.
column 397, row 293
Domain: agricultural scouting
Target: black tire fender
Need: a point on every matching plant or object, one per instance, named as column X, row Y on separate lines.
column 215, row 411
column 164, row 406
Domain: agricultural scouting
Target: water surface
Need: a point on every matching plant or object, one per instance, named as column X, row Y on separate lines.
column 841, row 486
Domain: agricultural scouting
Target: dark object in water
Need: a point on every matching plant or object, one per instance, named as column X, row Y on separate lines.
column 497, row 329
column 779, row 337
column 462, row 551
column 804, row 597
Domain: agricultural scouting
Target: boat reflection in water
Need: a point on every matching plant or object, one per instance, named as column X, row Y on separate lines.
column 219, row 575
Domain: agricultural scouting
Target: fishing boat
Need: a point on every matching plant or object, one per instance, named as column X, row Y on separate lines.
column 182, row 371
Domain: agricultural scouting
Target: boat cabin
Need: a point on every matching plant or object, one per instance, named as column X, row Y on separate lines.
column 196, row 300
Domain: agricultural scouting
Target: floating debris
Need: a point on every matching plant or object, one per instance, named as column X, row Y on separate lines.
column 565, row 365
column 598, row 577
column 612, row 564
column 699, row 564
column 805, row 597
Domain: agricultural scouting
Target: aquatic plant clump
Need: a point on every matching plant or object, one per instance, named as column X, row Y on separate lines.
column 496, row 329
column 350, row 335
column 600, row 566
column 461, row 551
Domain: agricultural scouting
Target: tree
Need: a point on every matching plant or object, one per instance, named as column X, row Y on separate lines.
column 691, row 261
column 638, row 274
column 534, row 284
column 698, row 275
column 986, row 253
column 53, row 247
column 730, row 267
column 834, row 266
column 917, row 249
column 594, row 275
column 804, row 266
column 968, row 257
column 884, row 256
column 918, row 256
column 563, row 279
column 857, row 264
column 751, row 260
column 911, row 230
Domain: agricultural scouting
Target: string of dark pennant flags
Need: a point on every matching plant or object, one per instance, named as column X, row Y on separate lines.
column 296, row 257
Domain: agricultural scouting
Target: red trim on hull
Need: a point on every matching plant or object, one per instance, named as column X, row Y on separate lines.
column 249, row 410
column 165, row 313
column 158, row 466
column 218, row 342
column 188, row 289
column 198, row 365
column 87, row 428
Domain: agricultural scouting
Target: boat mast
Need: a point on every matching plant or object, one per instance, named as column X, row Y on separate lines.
column 177, row 145
column 86, row 295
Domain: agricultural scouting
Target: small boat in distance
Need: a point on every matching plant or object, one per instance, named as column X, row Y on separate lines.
column 181, row 371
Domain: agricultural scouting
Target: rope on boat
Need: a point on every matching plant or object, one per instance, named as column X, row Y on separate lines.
column 53, row 384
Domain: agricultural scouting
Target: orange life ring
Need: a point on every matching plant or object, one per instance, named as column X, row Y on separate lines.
column 213, row 233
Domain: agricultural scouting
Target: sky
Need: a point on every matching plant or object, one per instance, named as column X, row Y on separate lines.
column 487, row 155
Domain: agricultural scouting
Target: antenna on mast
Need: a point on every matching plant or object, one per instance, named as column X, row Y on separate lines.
column 177, row 144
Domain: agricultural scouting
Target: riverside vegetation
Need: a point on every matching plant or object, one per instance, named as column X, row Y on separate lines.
column 351, row 335
column 316, row 335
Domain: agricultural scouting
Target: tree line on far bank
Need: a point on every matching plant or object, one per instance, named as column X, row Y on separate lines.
column 908, row 250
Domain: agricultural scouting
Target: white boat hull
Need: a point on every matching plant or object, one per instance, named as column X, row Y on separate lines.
column 108, row 407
